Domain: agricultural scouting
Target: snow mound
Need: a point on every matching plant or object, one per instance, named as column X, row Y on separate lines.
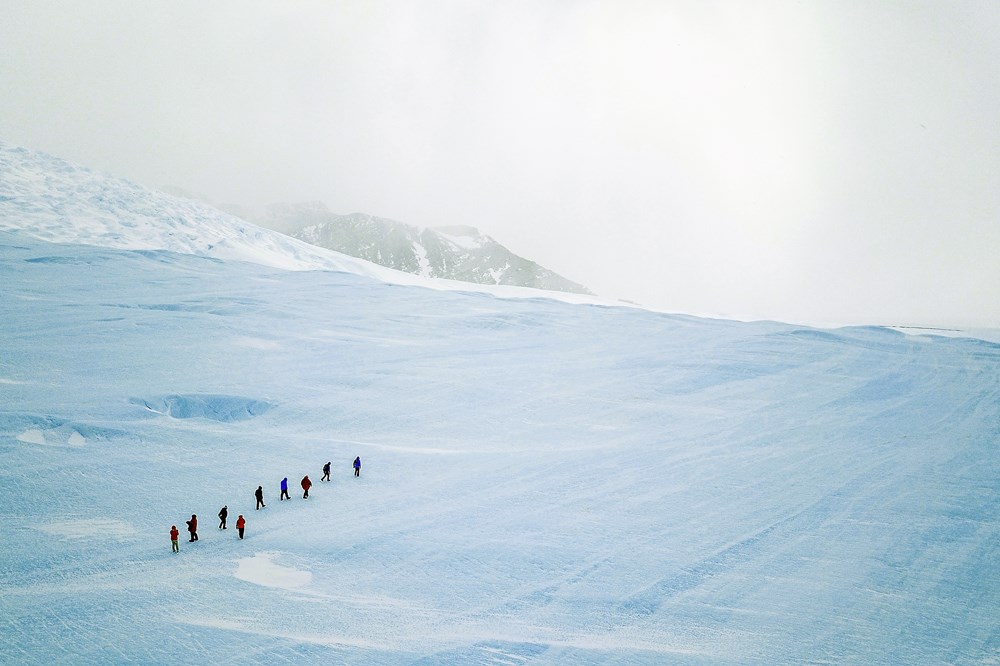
column 52, row 431
column 223, row 408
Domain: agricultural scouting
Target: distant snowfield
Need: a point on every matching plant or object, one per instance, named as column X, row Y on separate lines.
column 542, row 482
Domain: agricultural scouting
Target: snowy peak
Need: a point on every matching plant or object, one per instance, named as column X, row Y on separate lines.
column 451, row 252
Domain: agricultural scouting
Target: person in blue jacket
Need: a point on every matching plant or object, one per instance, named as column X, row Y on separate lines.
column 284, row 490
column 357, row 466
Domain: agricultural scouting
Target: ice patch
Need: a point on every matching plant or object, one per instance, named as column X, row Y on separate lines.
column 32, row 436
column 52, row 437
column 261, row 570
column 94, row 528
column 4, row 380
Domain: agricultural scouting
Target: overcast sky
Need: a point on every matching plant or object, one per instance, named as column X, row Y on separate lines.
column 828, row 162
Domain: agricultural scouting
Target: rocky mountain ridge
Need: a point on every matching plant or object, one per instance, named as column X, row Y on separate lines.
column 451, row 252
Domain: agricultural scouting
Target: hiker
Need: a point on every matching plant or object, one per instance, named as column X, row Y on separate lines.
column 357, row 466
column 222, row 517
column 240, row 524
column 326, row 472
column 259, row 494
column 174, row 535
column 306, row 485
column 193, row 528
column 284, row 490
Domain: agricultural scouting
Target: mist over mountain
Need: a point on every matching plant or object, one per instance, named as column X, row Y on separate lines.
column 450, row 252
column 457, row 252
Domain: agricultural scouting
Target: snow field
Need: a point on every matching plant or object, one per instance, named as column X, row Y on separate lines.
column 542, row 482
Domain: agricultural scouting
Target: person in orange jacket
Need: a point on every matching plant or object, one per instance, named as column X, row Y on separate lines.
column 174, row 535
column 306, row 485
column 240, row 524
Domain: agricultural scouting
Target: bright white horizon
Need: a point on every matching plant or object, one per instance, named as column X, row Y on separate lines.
column 813, row 162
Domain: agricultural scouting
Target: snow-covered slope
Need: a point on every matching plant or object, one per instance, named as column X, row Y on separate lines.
column 57, row 201
column 543, row 482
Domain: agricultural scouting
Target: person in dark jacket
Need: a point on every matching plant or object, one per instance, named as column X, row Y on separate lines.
column 240, row 524
column 284, row 490
column 357, row 466
column 174, row 535
column 222, row 517
column 326, row 472
column 306, row 485
column 259, row 494
column 193, row 528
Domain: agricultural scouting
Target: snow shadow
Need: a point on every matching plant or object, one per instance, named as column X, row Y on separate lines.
column 52, row 431
column 223, row 408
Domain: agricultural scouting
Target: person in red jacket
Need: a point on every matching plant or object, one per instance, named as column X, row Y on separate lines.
column 193, row 528
column 306, row 485
column 174, row 535
column 240, row 524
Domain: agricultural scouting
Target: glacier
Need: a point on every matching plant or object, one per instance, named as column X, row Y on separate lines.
column 543, row 481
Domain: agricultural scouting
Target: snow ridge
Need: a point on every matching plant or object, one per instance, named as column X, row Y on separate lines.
column 56, row 201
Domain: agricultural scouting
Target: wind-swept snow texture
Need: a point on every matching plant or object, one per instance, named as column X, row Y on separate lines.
column 543, row 482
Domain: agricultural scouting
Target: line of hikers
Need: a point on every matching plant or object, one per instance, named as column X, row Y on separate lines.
column 192, row 525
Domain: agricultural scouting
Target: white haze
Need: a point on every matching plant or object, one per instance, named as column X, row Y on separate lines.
column 822, row 161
